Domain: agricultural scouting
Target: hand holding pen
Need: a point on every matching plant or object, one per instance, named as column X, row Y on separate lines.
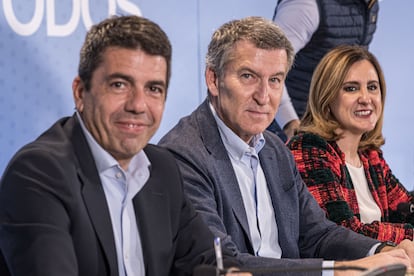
column 219, row 261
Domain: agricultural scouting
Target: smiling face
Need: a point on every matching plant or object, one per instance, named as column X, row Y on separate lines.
column 358, row 105
column 124, row 106
column 247, row 94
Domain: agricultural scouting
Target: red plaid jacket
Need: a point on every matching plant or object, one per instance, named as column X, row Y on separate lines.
column 322, row 167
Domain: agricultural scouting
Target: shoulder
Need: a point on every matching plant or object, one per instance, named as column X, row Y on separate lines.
column 373, row 153
column 275, row 145
column 195, row 137
column 187, row 130
column 48, row 163
column 272, row 139
column 51, row 146
column 374, row 156
column 158, row 156
column 184, row 132
column 183, row 140
column 307, row 140
column 163, row 168
column 279, row 156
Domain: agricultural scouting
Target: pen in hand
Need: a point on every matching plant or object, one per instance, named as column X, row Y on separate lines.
column 217, row 249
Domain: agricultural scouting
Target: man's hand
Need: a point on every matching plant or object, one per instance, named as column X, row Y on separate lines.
column 395, row 256
column 407, row 246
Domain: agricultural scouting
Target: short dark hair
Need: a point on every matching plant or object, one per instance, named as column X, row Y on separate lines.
column 131, row 32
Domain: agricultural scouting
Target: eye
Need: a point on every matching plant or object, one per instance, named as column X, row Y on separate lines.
column 156, row 90
column 372, row 87
column 247, row 76
column 350, row 88
column 275, row 80
column 119, row 86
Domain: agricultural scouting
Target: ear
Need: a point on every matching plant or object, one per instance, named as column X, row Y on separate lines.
column 78, row 89
column 212, row 81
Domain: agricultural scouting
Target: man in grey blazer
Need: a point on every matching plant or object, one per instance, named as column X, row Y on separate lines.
column 242, row 179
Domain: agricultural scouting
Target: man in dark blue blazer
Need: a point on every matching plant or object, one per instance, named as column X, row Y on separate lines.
column 241, row 178
column 90, row 196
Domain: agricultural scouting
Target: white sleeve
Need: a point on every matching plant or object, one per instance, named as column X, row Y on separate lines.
column 298, row 19
column 286, row 112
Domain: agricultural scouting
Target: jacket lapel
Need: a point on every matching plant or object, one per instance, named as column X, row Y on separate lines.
column 279, row 183
column 212, row 141
column 152, row 213
column 94, row 197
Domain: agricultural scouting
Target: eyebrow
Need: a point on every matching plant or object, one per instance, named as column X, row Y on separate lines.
column 358, row 83
column 131, row 80
column 350, row 82
column 157, row 82
column 279, row 73
column 120, row 76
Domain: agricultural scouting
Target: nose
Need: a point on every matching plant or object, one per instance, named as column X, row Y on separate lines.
column 261, row 94
column 364, row 96
column 136, row 101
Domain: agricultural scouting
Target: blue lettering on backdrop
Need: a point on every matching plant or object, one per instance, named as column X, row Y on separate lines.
column 80, row 9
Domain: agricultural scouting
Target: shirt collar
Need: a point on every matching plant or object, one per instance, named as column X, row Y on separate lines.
column 233, row 143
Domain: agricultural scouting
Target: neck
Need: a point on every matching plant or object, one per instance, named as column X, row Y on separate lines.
column 349, row 146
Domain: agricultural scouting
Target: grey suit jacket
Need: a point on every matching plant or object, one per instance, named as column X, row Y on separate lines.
column 54, row 218
column 211, row 184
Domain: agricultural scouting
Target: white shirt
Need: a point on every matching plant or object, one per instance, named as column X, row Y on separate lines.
column 368, row 208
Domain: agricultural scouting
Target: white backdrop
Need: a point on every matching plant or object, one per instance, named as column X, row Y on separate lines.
column 40, row 42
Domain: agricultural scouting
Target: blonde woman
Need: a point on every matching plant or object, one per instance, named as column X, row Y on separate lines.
column 338, row 147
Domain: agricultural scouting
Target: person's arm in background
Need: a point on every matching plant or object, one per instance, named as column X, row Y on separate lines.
column 286, row 116
column 320, row 167
column 298, row 19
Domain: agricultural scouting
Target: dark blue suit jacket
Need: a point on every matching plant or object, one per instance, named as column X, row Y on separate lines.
column 211, row 184
column 54, row 218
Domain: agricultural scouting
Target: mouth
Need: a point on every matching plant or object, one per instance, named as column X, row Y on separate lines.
column 132, row 126
column 258, row 116
column 363, row 113
column 257, row 112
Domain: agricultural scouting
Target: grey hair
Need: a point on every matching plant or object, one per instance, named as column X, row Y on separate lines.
column 263, row 33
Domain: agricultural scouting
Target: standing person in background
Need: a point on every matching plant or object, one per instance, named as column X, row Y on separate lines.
column 242, row 179
column 90, row 197
column 314, row 27
column 337, row 148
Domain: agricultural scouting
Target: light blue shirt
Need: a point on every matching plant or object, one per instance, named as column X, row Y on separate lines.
column 255, row 194
column 120, row 187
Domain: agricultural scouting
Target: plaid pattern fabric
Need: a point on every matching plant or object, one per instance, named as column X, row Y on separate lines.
column 322, row 167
